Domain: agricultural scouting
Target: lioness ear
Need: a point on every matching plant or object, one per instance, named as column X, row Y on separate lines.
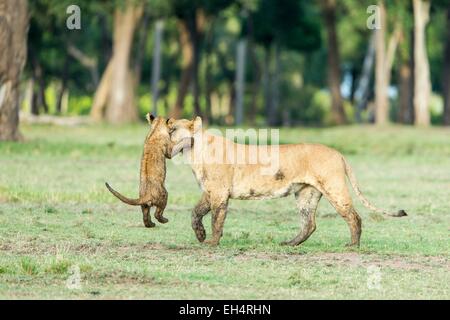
column 197, row 124
column 150, row 117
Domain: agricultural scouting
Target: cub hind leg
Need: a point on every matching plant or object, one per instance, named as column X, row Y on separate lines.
column 146, row 216
column 159, row 215
column 160, row 206
column 307, row 201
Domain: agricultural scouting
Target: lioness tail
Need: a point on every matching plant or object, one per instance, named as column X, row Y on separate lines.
column 366, row 203
column 133, row 202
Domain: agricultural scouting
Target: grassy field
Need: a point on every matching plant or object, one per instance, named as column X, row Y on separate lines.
column 56, row 217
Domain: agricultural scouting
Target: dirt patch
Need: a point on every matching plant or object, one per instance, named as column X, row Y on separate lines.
column 129, row 250
column 355, row 259
column 38, row 248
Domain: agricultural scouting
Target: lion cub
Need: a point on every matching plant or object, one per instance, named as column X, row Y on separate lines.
column 152, row 192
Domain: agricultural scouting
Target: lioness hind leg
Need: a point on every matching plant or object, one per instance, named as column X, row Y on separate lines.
column 353, row 221
column 339, row 197
column 146, row 216
column 307, row 201
column 200, row 210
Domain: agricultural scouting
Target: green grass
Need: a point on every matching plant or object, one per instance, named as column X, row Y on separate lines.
column 56, row 215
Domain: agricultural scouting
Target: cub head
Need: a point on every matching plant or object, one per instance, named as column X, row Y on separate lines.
column 158, row 124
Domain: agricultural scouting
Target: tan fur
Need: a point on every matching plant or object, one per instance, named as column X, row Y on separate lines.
column 306, row 170
column 152, row 192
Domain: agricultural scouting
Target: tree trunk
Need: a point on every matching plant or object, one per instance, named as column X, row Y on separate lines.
column 266, row 84
column 384, row 61
column 334, row 72
column 390, row 54
column 381, row 84
column 422, row 84
column 256, row 73
column 405, row 79
column 142, row 44
column 362, row 91
column 446, row 74
column 114, row 99
column 13, row 48
column 62, row 89
column 255, row 87
column 156, row 65
column 208, row 74
column 187, row 52
column 406, row 92
column 197, row 33
column 39, row 81
column 240, row 80
column 90, row 63
column 274, row 86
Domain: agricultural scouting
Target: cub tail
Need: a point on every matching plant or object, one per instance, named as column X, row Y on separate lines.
column 133, row 202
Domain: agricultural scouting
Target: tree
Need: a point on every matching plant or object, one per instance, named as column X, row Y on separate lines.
column 277, row 25
column 13, row 48
column 422, row 83
column 362, row 92
column 156, row 66
column 446, row 73
column 405, row 80
column 114, row 99
column 334, row 71
column 405, row 66
column 240, row 69
column 192, row 16
column 384, row 61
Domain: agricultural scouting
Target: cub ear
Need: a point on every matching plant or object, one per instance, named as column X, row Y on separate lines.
column 197, row 124
column 170, row 122
column 150, row 117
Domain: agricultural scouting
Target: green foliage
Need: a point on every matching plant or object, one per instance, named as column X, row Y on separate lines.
column 58, row 266
column 28, row 266
column 291, row 23
column 293, row 26
column 80, row 105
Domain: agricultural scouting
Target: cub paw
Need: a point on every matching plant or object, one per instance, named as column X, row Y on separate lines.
column 162, row 219
column 149, row 224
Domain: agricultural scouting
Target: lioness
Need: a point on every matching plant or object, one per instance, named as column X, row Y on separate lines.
column 152, row 192
column 307, row 170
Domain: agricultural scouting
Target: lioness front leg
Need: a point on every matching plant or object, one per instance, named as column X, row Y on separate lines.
column 219, row 213
column 200, row 210
column 307, row 201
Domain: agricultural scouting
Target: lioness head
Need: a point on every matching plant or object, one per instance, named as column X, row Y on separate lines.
column 183, row 128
